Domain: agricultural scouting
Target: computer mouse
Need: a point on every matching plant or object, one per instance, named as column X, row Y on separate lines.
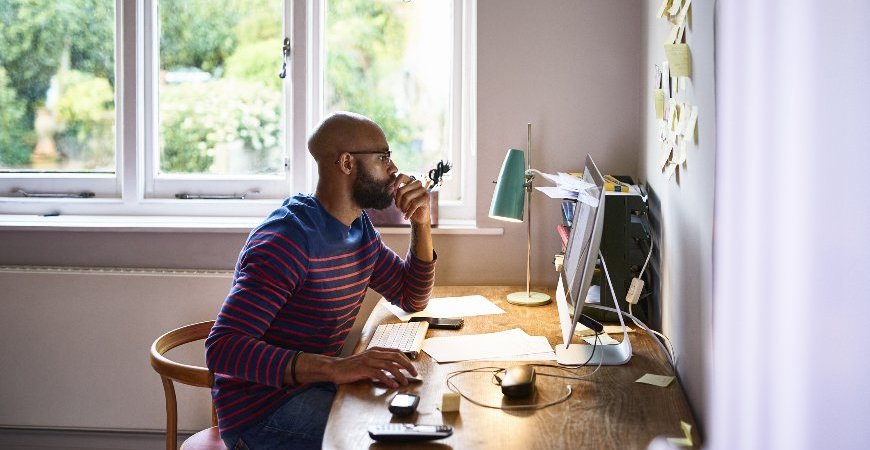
column 518, row 381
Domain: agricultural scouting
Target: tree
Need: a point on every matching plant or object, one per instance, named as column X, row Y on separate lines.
column 16, row 141
column 365, row 42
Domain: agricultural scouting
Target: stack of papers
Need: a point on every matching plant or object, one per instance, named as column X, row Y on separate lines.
column 569, row 187
column 465, row 306
column 512, row 345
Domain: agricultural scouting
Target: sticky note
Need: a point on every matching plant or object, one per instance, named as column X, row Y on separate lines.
column 671, row 38
column 655, row 380
column 689, row 131
column 679, row 60
column 685, row 441
column 659, row 97
column 662, row 8
column 665, row 155
column 684, row 11
column 681, row 152
column 675, row 7
column 670, row 170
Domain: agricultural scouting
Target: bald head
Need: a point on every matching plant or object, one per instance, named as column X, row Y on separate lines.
column 342, row 132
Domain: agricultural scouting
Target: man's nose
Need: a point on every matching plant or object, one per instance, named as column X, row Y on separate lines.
column 392, row 169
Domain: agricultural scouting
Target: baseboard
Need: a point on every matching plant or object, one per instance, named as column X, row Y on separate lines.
column 45, row 439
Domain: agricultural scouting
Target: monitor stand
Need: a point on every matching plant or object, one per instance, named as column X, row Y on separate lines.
column 579, row 354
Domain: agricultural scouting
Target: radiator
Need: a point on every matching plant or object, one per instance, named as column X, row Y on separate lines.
column 74, row 345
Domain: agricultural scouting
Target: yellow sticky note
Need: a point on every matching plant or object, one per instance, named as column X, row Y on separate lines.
column 686, row 441
column 659, row 96
column 662, row 8
column 679, row 60
column 655, row 380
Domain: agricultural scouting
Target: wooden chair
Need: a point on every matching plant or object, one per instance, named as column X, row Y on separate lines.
column 191, row 375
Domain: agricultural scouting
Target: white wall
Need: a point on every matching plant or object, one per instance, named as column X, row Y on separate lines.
column 791, row 254
column 681, row 208
column 571, row 67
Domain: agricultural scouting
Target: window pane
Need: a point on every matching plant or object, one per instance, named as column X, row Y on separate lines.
column 391, row 60
column 220, row 98
column 57, row 86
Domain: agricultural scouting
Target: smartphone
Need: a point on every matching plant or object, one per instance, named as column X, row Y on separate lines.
column 439, row 322
column 404, row 403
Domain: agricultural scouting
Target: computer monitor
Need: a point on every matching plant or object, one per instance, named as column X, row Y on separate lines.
column 575, row 278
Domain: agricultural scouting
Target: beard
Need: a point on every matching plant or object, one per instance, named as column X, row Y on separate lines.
column 371, row 193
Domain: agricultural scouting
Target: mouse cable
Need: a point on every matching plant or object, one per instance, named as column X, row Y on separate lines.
column 452, row 386
column 565, row 367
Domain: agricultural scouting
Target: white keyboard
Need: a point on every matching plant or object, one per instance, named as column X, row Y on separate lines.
column 407, row 337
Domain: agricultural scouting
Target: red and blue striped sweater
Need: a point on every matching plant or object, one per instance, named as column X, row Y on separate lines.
column 298, row 285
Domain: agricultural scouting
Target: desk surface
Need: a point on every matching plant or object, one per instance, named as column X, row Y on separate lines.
column 609, row 410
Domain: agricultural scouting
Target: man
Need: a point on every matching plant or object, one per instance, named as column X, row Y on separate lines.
column 298, row 286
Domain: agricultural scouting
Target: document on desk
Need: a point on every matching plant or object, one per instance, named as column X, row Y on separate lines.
column 514, row 344
column 465, row 306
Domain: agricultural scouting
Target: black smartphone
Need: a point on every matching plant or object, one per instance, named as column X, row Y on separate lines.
column 404, row 403
column 439, row 322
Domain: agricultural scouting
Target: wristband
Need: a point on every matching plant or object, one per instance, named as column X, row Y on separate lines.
column 293, row 367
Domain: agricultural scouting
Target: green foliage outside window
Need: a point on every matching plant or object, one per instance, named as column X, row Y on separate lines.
column 233, row 40
column 16, row 139
column 365, row 42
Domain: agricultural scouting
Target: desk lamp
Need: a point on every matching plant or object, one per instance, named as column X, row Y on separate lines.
column 513, row 186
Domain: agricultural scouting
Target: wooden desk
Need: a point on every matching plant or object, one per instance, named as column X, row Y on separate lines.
column 609, row 410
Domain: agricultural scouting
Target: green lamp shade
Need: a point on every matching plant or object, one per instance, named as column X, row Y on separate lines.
column 509, row 195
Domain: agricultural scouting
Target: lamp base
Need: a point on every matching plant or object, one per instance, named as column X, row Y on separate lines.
column 528, row 298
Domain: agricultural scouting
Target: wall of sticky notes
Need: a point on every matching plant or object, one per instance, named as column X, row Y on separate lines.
column 676, row 118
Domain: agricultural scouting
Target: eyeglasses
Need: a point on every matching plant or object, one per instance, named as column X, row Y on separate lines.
column 383, row 155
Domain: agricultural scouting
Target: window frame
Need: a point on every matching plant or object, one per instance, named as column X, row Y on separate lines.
column 132, row 190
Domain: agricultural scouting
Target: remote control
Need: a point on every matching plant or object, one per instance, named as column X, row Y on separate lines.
column 392, row 432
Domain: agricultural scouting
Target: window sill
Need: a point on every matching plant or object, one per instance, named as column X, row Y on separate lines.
column 187, row 224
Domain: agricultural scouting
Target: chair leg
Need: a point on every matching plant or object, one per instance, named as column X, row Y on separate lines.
column 171, row 415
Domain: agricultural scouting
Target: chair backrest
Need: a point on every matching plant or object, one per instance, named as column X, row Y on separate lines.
column 183, row 373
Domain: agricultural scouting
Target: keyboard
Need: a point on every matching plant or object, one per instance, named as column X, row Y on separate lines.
column 407, row 337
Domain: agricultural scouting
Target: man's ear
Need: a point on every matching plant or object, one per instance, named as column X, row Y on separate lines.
column 345, row 163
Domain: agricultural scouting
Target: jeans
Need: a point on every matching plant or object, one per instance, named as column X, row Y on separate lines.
column 297, row 424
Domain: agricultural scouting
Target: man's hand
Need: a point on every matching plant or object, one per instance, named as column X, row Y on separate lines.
column 412, row 198
column 372, row 364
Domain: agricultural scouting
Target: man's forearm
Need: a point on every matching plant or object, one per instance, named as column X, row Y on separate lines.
column 421, row 241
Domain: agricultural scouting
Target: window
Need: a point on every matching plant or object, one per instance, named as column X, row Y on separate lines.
column 154, row 100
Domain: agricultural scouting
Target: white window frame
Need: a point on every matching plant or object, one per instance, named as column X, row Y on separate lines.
column 133, row 191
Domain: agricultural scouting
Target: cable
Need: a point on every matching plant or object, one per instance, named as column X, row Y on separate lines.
column 454, row 388
column 495, row 370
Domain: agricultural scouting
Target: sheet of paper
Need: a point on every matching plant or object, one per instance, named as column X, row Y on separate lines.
column 684, row 441
column 681, row 29
column 655, row 380
column 502, row 344
column 603, row 339
column 466, row 306
column 567, row 181
column 659, row 98
column 679, row 60
column 557, row 192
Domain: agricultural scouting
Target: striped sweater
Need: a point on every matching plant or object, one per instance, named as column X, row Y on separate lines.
column 298, row 285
